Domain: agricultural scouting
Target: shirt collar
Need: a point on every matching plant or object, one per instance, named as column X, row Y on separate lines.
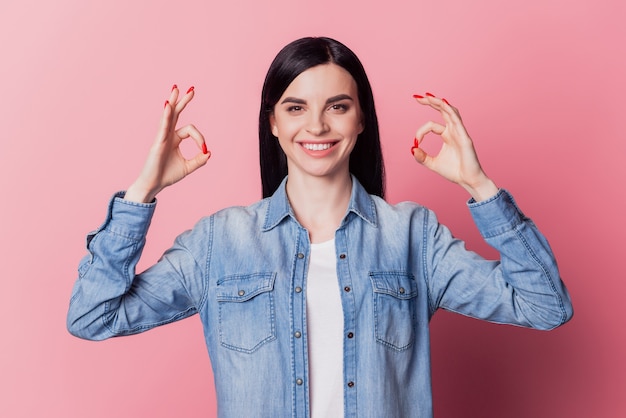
column 278, row 207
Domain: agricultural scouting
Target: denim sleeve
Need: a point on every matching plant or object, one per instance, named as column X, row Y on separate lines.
column 109, row 299
column 522, row 288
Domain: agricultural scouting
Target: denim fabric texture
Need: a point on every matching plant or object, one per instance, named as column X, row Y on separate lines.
column 244, row 269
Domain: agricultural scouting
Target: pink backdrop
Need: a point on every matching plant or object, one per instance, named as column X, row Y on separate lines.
column 541, row 87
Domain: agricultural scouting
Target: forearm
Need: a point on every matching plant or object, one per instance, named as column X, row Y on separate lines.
column 527, row 264
column 107, row 272
column 522, row 288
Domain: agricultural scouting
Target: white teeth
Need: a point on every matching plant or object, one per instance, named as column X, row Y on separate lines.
column 317, row 147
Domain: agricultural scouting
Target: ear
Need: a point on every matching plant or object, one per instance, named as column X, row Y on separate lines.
column 273, row 125
column 361, row 125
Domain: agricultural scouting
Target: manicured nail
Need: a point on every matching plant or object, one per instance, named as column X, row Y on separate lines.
column 430, row 94
column 412, row 150
column 190, row 89
column 417, row 96
column 204, row 150
column 416, row 143
column 166, row 103
column 174, row 87
column 445, row 101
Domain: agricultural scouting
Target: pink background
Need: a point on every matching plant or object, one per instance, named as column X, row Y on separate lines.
column 541, row 87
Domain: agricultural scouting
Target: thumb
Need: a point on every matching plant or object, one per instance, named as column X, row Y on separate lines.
column 422, row 157
column 198, row 161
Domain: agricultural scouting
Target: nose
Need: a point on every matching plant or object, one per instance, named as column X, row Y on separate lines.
column 316, row 125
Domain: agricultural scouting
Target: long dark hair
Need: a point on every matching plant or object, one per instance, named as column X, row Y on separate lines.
column 366, row 159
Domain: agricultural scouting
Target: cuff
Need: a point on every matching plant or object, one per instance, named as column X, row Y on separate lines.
column 128, row 219
column 496, row 215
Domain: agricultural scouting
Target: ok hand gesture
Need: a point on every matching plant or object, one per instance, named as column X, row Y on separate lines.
column 457, row 160
column 166, row 164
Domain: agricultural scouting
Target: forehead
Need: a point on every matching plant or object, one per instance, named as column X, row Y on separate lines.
column 322, row 81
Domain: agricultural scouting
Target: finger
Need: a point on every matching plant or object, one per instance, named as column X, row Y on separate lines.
column 449, row 112
column 184, row 100
column 428, row 127
column 182, row 103
column 174, row 94
column 165, row 123
column 167, row 120
column 202, row 157
column 455, row 128
column 191, row 131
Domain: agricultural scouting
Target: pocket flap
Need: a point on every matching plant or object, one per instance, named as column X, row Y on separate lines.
column 241, row 288
column 397, row 284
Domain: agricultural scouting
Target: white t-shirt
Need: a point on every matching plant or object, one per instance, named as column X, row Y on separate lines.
column 325, row 333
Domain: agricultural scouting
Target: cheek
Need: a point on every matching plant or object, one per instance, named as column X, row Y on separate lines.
column 353, row 127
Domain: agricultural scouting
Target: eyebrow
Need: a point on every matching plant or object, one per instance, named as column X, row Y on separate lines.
column 333, row 99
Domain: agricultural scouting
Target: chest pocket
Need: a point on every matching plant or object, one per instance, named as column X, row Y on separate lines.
column 394, row 309
column 246, row 311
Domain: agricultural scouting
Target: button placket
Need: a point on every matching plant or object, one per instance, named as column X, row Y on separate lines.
column 348, row 302
column 298, row 325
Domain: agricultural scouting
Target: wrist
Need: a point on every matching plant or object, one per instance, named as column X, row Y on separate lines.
column 139, row 194
column 482, row 189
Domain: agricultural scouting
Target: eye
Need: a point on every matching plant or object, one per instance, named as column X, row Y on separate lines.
column 339, row 107
column 294, row 109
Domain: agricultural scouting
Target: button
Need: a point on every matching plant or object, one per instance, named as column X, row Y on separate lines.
column 241, row 292
column 342, row 256
column 298, row 289
column 350, row 384
column 347, row 288
column 300, row 255
column 297, row 334
column 402, row 290
column 299, row 382
column 350, row 335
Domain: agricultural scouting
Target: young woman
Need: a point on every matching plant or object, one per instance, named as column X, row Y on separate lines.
column 316, row 300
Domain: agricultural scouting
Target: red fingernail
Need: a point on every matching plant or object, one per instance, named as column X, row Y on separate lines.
column 166, row 103
column 204, row 150
column 416, row 143
column 190, row 89
column 412, row 150
column 430, row 95
column 174, row 87
column 445, row 101
column 417, row 96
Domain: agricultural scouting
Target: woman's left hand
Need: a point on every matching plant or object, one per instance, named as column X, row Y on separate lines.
column 457, row 160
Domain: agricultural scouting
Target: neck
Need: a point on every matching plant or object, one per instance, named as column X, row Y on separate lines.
column 319, row 203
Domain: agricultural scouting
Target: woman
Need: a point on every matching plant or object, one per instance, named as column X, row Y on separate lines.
column 316, row 300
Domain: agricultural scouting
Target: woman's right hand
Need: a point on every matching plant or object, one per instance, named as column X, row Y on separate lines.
column 166, row 164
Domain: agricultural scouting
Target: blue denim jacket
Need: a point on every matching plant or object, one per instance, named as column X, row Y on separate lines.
column 244, row 271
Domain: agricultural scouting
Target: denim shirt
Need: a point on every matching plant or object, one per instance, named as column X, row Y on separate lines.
column 244, row 270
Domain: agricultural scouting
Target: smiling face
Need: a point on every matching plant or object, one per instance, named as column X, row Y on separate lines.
column 317, row 121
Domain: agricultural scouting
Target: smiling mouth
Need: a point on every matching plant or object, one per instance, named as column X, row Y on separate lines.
column 318, row 147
